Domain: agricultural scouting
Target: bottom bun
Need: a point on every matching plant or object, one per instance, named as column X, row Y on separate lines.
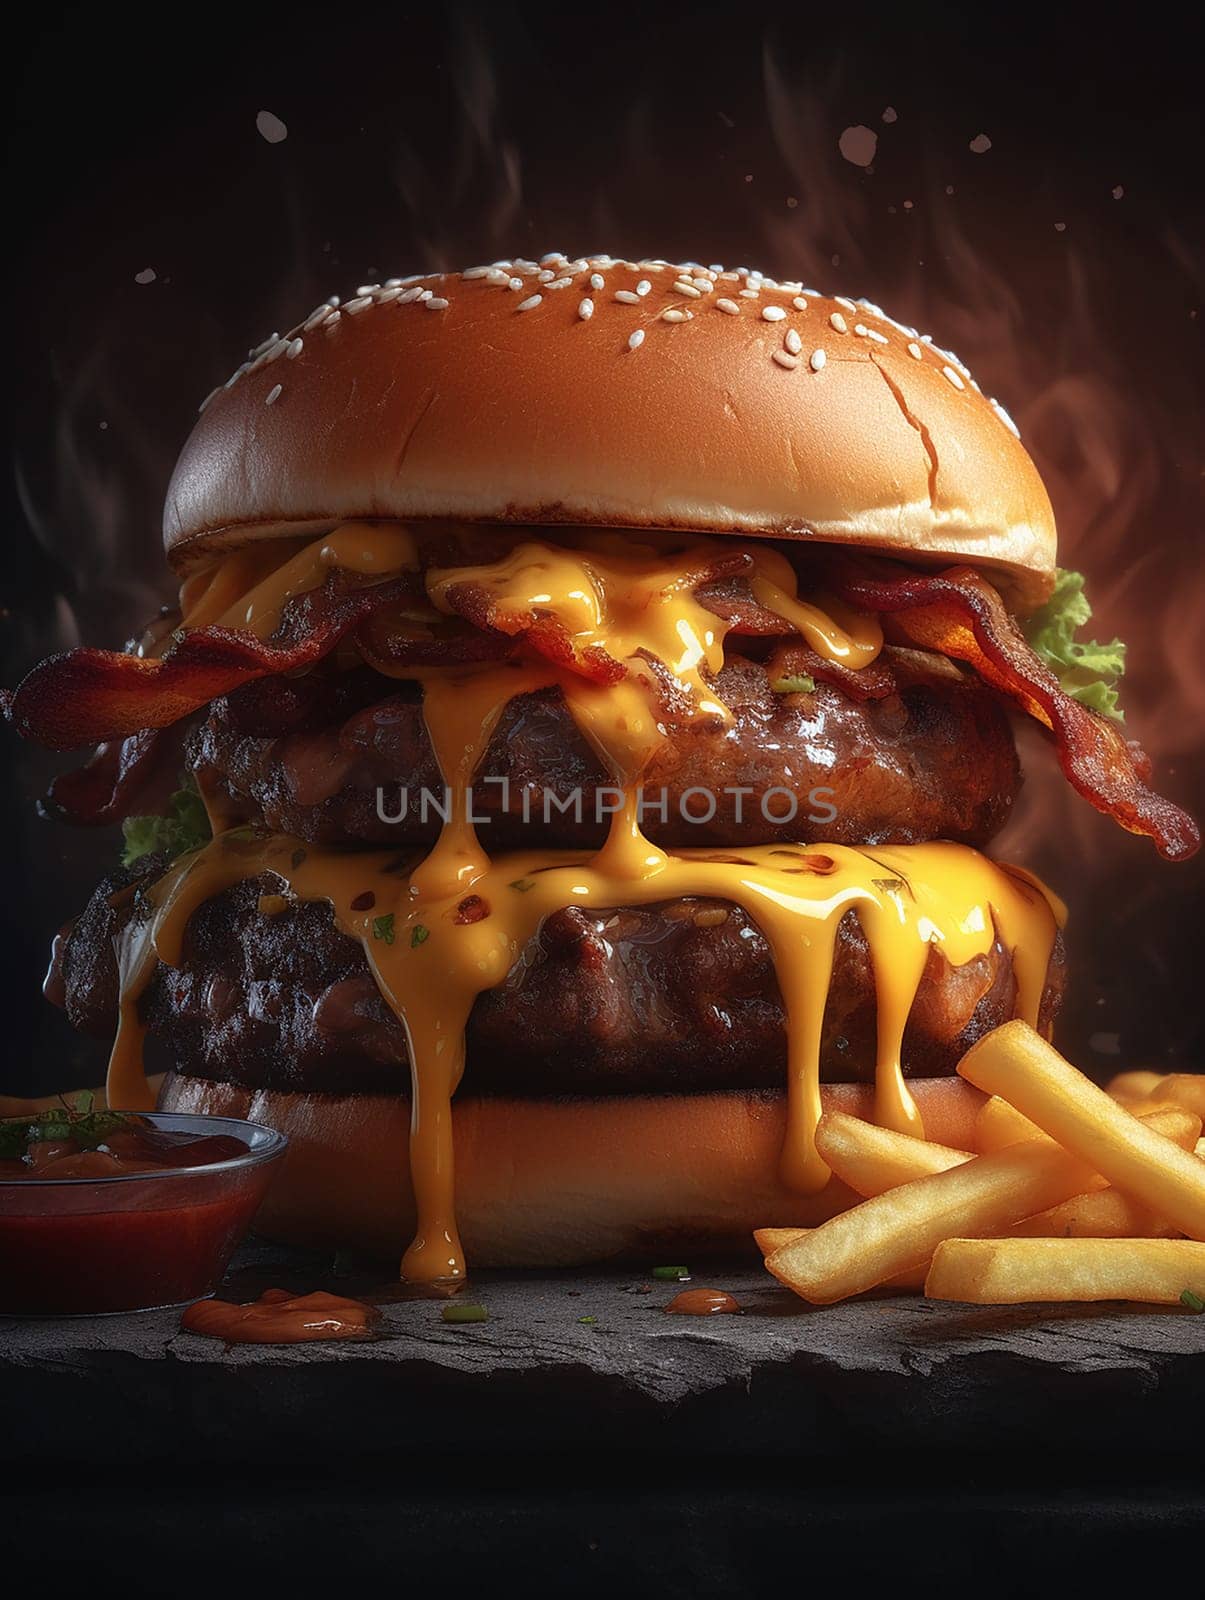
column 553, row 1183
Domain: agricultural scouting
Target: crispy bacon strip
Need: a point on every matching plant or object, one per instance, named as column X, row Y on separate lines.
column 795, row 660
column 959, row 614
column 89, row 696
column 105, row 787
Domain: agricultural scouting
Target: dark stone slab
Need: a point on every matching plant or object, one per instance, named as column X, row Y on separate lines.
column 891, row 1376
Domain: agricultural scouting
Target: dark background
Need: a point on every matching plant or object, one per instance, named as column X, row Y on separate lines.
column 420, row 137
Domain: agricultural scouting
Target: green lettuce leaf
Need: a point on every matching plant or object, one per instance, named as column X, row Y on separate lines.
column 185, row 827
column 1086, row 670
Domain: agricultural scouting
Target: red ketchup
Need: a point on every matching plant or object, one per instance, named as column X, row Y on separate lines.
column 279, row 1317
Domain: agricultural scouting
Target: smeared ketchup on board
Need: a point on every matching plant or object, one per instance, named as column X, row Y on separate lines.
column 279, row 1317
column 701, row 1303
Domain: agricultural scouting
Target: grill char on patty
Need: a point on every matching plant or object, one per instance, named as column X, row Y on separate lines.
column 932, row 759
column 679, row 996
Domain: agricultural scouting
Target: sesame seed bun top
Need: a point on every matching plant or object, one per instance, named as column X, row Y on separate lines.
column 625, row 394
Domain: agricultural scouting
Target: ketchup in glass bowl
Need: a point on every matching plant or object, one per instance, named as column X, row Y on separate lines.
column 117, row 1211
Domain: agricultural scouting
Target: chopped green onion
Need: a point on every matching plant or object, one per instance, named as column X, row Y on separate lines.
column 1191, row 1300
column 419, row 935
column 456, row 1313
column 590, row 1320
column 522, row 884
column 382, row 927
column 797, row 683
column 672, row 1274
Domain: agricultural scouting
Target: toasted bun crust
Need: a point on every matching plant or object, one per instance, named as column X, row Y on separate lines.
column 507, row 404
column 553, row 1183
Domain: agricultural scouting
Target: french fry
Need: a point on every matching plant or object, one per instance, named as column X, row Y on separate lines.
column 998, row 1125
column 872, row 1159
column 1014, row 1271
column 901, row 1228
column 1182, row 1089
column 1018, row 1064
column 1134, row 1085
column 770, row 1239
column 1104, row 1214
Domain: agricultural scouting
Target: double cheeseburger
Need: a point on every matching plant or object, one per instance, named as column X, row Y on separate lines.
column 568, row 765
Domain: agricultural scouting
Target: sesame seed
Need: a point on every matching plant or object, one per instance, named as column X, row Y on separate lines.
column 730, row 306
column 334, row 302
column 273, row 395
column 295, row 348
column 793, row 342
column 264, row 347
column 433, row 302
column 684, row 287
column 386, row 296
column 954, row 377
column 879, row 338
column 514, row 283
column 860, row 329
column 773, row 313
column 315, row 317
column 360, row 303
column 475, row 272
column 818, row 360
column 643, row 287
column 635, row 340
column 850, row 305
column 585, row 309
column 532, row 301
column 394, row 283
column 209, row 397
column 703, row 285
column 424, row 294
column 407, row 295
column 597, row 281
column 1006, row 419
column 560, row 283
column 627, row 297
column 838, row 321
column 332, row 323
column 751, row 294
column 674, row 314
column 786, row 359
column 799, row 303
column 235, row 376
column 547, row 275
column 368, row 288
column 497, row 275
column 914, row 351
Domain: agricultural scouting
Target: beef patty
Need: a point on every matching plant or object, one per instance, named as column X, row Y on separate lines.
column 679, row 996
column 933, row 759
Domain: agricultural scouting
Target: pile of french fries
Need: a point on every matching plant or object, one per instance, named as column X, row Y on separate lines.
column 1073, row 1193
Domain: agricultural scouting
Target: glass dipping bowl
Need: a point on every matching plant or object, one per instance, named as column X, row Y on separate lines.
column 132, row 1241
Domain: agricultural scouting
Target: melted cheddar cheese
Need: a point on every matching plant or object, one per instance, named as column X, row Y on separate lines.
column 611, row 593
